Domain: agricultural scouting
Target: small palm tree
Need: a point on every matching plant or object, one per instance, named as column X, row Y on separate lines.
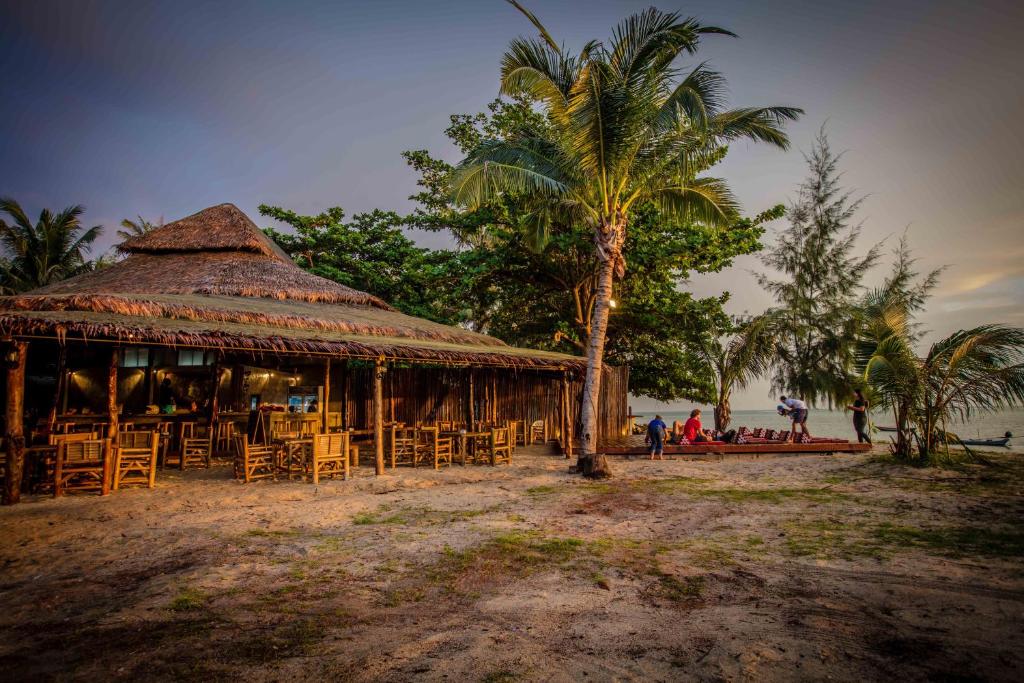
column 136, row 228
column 969, row 372
column 738, row 360
column 50, row 250
column 623, row 128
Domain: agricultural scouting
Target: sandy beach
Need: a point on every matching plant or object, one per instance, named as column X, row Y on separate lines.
column 804, row 568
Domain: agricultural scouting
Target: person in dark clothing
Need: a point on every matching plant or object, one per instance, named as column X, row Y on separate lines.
column 656, row 437
column 860, row 416
column 165, row 397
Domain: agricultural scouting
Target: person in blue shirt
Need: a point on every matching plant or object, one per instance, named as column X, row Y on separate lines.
column 656, row 437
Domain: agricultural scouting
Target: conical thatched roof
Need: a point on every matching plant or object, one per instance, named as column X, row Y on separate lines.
column 214, row 279
column 217, row 251
column 219, row 228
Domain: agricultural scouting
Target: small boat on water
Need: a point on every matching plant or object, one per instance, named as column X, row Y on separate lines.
column 997, row 442
column 1000, row 442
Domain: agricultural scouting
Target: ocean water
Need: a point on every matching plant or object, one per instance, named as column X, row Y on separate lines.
column 840, row 423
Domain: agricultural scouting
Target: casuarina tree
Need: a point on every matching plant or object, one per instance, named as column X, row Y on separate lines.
column 818, row 285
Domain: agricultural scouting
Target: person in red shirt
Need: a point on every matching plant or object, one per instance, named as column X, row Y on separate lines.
column 693, row 431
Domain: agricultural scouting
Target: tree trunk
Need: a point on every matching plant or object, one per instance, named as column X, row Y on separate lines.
column 590, row 463
column 14, row 439
column 723, row 414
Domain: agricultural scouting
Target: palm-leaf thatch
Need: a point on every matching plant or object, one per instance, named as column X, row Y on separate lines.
column 215, row 280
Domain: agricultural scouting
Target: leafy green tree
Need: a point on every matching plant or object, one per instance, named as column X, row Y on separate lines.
column 820, row 285
column 372, row 254
column 623, row 129
column 37, row 254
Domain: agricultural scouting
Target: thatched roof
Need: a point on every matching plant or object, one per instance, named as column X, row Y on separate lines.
column 216, row 251
column 215, row 280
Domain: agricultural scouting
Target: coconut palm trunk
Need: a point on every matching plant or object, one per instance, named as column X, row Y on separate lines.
column 590, row 462
column 723, row 413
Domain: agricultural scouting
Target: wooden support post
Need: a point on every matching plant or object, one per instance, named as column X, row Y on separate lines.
column 567, row 420
column 378, row 416
column 58, row 393
column 325, row 408
column 15, row 422
column 472, row 403
column 112, row 418
column 214, row 419
column 346, row 391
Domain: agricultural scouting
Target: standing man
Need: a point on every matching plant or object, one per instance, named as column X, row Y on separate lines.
column 656, row 438
column 798, row 413
column 860, row 416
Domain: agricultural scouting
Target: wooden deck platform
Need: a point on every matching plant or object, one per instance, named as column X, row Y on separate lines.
column 634, row 445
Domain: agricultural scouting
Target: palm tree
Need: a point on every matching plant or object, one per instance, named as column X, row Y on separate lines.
column 740, row 359
column 130, row 228
column 52, row 249
column 623, row 128
column 970, row 371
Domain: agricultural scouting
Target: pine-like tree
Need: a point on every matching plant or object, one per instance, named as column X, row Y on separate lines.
column 820, row 284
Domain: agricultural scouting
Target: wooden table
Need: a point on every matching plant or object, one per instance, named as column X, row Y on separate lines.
column 293, row 453
column 465, row 440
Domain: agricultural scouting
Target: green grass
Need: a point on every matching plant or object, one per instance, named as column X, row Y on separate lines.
column 679, row 589
column 957, row 541
column 379, row 517
column 265, row 533
column 828, row 539
column 188, row 600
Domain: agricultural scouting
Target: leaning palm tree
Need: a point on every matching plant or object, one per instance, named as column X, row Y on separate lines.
column 624, row 127
column 136, row 228
column 738, row 360
column 49, row 250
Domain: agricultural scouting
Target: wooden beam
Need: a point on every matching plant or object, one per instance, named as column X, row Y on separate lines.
column 325, row 407
column 15, row 423
column 112, row 418
column 378, row 416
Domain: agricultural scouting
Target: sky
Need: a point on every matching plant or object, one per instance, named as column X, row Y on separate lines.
column 160, row 109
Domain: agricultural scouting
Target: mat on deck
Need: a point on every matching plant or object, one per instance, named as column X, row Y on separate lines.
column 634, row 445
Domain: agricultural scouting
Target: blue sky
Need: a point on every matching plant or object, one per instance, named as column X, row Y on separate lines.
column 163, row 108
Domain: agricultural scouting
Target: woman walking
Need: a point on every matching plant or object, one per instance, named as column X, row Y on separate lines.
column 860, row 416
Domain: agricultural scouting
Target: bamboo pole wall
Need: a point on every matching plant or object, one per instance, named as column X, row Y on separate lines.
column 425, row 395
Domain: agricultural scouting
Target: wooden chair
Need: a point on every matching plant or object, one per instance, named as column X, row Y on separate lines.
column 501, row 446
column 518, row 432
column 330, row 456
column 511, row 424
column 253, row 462
column 402, row 446
column 225, row 439
column 81, row 466
column 135, row 459
column 433, row 448
column 538, row 432
column 196, row 452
